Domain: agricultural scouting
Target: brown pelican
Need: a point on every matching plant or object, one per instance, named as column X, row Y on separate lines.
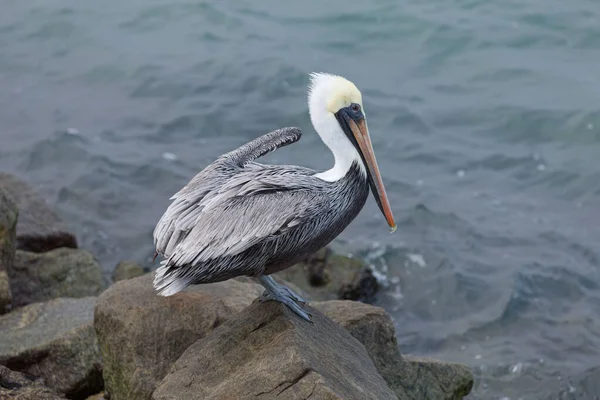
column 241, row 218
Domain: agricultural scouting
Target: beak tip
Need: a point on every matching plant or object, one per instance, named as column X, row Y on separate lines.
column 393, row 228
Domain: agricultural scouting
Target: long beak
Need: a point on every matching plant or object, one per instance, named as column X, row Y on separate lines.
column 361, row 134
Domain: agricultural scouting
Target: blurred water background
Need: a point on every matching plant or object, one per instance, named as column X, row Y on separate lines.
column 485, row 117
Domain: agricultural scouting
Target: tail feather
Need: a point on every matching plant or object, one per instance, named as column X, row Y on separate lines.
column 167, row 282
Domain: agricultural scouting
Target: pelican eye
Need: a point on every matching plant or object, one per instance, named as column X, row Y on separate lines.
column 355, row 107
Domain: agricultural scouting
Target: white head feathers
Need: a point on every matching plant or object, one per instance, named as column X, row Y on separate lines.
column 331, row 92
column 327, row 94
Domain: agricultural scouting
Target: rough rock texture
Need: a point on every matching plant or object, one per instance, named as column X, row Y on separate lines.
column 8, row 225
column 57, row 273
column 18, row 386
column 39, row 228
column 267, row 352
column 410, row 378
column 142, row 334
column 126, row 270
column 429, row 379
column 55, row 341
column 325, row 275
column 371, row 326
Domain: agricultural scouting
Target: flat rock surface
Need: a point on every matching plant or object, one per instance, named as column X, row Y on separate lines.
column 141, row 334
column 267, row 352
column 62, row 272
column 56, row 341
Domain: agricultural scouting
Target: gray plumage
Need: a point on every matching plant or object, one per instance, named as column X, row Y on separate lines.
column 238, row 217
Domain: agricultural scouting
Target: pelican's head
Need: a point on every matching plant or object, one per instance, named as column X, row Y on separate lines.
column 337, row 113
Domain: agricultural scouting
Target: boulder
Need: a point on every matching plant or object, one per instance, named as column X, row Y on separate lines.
column 141, row 334
column 127, row 269
column 62, row 272
column 55, row 341
column 8, row 225
column 325, row 275
column 39, row 228
column 429, row 379
column 18, row 386
column 267, row 352
column 410, row 378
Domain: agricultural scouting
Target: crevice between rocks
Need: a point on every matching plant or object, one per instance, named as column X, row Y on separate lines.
column 289, row 384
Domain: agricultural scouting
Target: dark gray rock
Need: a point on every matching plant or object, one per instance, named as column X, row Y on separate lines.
column 18, row 386
column 127, row 269
column 267, row 352
column 39, row 228
column 8, row 224
column 325, row 275
column 55, row 341
column 57, row 273
column 141, row 334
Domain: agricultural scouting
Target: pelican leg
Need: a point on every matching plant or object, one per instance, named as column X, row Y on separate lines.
column 282, row 294
column 289, row 292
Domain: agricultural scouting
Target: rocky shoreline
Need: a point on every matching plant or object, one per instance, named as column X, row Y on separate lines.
column 65, row 333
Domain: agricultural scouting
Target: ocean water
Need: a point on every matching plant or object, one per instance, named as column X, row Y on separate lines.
column 485, row 118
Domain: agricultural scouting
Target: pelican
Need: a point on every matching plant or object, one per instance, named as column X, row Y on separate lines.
column 238, row 217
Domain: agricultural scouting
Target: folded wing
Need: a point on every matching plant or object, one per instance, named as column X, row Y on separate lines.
column 187, row 206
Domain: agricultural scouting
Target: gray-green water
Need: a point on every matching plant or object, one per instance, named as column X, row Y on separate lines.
column 485, row 118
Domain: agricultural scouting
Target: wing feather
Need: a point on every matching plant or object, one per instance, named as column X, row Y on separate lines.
column 217, row 182
column 237, row 223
